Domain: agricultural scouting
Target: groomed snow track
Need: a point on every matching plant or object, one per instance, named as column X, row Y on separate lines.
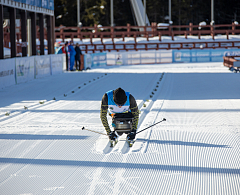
column 196, row 151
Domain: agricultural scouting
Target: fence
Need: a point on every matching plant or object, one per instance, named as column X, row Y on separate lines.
column 88, row 48
column 232, row 61
column 145, row 31
column 106, row 32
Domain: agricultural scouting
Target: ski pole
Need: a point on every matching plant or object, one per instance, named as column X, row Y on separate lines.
column 152, row 125
column 83, row 128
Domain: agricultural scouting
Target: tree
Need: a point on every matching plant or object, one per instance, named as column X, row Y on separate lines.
column 183, row 12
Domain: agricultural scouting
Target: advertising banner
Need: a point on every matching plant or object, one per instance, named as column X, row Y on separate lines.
column 57, row 63
column 42, row 66
column 48, row 4
column 99, row 59
column 7, row 73
column 87, row 61
column 205, row 55
column 95, row 60
column 139, row 57
column 24, row 69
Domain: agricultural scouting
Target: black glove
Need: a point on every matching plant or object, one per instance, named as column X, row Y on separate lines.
column 131, row 135
column 112, row 135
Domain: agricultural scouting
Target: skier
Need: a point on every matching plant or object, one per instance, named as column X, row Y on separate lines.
column 123, row 104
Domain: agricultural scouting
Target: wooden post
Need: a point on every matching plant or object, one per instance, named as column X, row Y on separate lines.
column 96, row 30
column 112, row 33
column 135, row 37
column 128, row 30
column 123, row 37
column 101, row 35
column 233, row 28
column 160, row 36
column 79, row 32
column 61, row 32
column 212, row 31
column 190, row 28
column 169, row 30
column 81, row 67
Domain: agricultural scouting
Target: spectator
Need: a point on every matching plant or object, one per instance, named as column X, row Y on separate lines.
column 72, row 53
column 65, row 50
column 77, row 57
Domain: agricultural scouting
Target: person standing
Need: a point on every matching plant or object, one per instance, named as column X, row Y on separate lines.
column 65, row 50
column 72, row 53
column 77, row 57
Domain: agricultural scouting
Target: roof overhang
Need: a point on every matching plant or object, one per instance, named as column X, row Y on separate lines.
column 27, row 7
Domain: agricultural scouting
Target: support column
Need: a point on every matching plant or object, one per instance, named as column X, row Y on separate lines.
column 34, row 34
column 13, row 32
column 53, row 34
column 24, row 32
column 112, row 16
column 1, row 33
column 49, row 34
column 41, row 25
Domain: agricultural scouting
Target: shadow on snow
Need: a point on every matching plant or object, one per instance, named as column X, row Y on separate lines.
column 40, row 137
column 182, row 143
column 114, row 165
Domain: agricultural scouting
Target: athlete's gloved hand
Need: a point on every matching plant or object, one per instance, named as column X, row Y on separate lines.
column 112, row 135
column 131, row 135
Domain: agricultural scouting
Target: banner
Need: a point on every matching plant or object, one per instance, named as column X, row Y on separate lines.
column 48, row 4
column 42, row 66
column 139, row 57
column 24, row 69
column 7, row 73
column 95, row 60
column 87, row 61
column 205, row 55
column 99, row 59
column 57, row 63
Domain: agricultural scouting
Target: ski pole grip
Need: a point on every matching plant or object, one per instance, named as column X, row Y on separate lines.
column 83, row 128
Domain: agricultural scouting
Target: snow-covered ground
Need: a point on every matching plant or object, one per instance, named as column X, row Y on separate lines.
column 196, row 151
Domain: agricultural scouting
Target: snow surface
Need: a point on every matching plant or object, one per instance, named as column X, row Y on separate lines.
column 196, row 151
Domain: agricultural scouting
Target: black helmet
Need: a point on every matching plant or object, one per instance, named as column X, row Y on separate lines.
column 119, row 96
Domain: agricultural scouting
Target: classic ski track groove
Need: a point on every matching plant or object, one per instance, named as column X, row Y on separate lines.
column 178, row 150
column 56, row 104
column 118, row 148
column 47, row 102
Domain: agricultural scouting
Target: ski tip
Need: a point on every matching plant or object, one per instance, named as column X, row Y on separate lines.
column 164, row 119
